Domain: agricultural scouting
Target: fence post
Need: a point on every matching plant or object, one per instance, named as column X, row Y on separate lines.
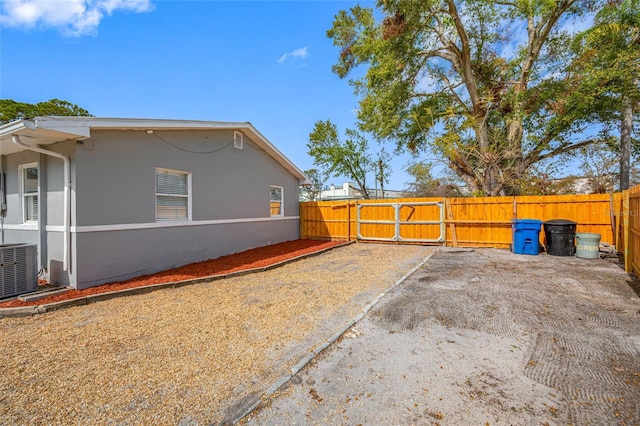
column 301, row 211
column 626, row 231
column 616, row 209
column 356, row 228
column 612, row 218
column 452, row 225
column 348, row 221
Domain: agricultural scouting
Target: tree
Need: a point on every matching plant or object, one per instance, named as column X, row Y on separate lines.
column 318, row 179
column 539, row 180
column 11, row 110
column 455, row 77
column 347, row 158
column 424, row 184
column 600, row 165
column 609, row 68
column 382, row 170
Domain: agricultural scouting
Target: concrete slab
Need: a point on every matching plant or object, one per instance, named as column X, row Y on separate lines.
column 481, row 336
column 32, row 297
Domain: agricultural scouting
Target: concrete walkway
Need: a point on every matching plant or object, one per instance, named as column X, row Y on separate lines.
column 481, row 336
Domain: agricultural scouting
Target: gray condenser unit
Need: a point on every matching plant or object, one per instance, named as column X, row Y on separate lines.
column 18, row 269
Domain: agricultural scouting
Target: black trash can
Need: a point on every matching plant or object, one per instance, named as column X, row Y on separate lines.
column 560, row 235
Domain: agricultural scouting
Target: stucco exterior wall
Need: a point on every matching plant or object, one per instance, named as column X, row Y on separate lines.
column 50, row 203
column 116, row 235
column 116, row 176
column 118, row 255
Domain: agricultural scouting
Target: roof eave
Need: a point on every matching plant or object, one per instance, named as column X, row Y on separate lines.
column 80, row 128
column 33, row 134
column 275, row 153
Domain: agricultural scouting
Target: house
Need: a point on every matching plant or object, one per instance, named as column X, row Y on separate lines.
column 348, row 191
column 107, row 199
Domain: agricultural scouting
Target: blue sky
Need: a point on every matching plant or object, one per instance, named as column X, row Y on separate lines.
column 267, row 62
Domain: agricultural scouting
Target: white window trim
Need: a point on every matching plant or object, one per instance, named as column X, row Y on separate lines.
column 23, row 213
column 281, row 201
column 188, row 196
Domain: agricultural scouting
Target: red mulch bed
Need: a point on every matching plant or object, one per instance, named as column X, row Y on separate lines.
column 250, row 259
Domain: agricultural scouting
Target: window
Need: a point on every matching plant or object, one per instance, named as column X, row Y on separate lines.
column 276, row 201
column 29, row 190
column 172, row 195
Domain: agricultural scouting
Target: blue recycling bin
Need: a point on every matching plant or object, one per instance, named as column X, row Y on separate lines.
column 526, row 236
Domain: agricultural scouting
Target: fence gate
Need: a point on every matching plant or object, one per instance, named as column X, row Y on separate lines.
column 409, row 222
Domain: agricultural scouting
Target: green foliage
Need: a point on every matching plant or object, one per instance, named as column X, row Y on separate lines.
column 608, row 61
column 600, row 165
column 539, row 180
column 424, row 184
column 382, row 169
column 11, row 110
column 608, row 70
column 447, row 76
column 318, row 179
column 347, row 158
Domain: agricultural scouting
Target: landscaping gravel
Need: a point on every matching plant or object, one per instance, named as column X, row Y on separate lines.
column 190, row 355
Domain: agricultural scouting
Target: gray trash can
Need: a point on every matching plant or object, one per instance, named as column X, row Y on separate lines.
column 587, row 245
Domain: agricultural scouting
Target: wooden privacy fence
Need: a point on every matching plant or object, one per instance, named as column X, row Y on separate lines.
column 373, row 219
column 475, row 222
column 486, row 222
column 627, row 219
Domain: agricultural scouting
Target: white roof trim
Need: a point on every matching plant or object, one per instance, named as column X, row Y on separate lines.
column 47, row 130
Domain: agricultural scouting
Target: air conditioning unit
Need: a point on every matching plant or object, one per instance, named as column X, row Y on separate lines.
column 18, row 269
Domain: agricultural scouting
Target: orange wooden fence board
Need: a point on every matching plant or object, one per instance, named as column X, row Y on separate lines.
column 487, row 221
column 480, row 222
column 631, row 217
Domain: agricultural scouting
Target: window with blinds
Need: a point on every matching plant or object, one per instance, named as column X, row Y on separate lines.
column 172, row 195
column 29, row 189
column 276, row 204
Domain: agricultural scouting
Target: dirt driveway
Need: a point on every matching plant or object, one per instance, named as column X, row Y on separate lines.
column 192, row 355
column 481, row 337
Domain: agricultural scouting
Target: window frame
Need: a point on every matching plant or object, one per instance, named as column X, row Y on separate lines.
column 281, row 201
column 24, row 195
column 188, row 196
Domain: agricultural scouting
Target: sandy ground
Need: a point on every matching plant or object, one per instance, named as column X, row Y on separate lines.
column 481, row 337
column 193, row 355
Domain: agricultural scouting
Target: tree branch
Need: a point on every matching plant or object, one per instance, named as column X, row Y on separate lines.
column 451, row 88
column 464, row 54
column 537, row 38
column 535, row 156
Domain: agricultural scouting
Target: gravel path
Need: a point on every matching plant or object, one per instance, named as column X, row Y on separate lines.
column 189, row 355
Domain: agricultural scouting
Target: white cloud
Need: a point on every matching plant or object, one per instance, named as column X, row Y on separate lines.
column 75, row 17
column 301, row 53
column 577, row 24
column 514, row 37
column 427, row 83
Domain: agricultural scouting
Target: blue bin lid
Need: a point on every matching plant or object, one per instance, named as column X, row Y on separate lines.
column 527, row 221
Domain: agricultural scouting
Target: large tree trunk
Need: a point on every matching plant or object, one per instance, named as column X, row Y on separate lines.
column 625, row 145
